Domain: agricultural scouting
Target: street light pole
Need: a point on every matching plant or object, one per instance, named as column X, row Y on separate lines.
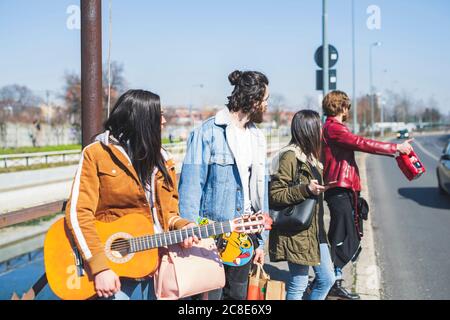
column 325, row 47
column 355, row 101
column 47, row 101
column 372, row 111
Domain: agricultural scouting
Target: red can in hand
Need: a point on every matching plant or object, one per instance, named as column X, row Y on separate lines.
column 410, row 165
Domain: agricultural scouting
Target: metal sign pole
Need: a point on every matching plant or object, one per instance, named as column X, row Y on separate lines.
column 355, row 100
column 91, row 69
column 325, row 78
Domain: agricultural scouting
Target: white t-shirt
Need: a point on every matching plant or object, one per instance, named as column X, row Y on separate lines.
column 243, row 158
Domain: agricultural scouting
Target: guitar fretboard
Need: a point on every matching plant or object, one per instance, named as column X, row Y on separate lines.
column 177, row 236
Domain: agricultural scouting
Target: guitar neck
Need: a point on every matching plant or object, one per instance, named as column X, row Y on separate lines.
column 177, row 236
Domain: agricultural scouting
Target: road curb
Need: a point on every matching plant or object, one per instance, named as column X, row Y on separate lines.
column 366, row 271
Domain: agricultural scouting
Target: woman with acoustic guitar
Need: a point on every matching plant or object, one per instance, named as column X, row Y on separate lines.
column 124, row 171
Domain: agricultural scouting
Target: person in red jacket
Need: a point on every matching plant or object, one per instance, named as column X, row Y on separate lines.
column 342, row 175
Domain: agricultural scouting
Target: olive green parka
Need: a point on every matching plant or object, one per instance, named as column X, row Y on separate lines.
column 296, row 247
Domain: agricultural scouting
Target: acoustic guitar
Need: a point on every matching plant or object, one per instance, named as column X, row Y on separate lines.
column 130, row 247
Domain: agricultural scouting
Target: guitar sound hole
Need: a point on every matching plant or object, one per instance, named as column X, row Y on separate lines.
column 120, row 248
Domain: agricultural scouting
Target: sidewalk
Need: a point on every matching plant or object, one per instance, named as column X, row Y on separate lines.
column 365, row 272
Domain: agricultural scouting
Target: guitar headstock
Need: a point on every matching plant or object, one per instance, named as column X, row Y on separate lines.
column 252, row 223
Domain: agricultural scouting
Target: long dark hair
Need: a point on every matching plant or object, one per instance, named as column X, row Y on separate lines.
column 249, row 90
column 135, row 121
column 306, row 133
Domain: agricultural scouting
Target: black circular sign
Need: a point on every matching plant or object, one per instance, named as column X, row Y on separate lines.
column 332, row 54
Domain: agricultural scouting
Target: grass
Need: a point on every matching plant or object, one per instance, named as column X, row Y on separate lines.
column 38, row 221
column 37, row 166
column 40, row 149
column 56, row 148
column 167, row 141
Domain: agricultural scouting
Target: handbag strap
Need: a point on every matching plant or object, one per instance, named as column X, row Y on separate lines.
column 256, row 271
column 261, row 273
column 299, row 172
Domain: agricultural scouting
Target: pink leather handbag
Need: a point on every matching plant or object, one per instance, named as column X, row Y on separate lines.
column 186, row 272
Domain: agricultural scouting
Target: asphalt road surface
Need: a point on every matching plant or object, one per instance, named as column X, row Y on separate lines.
column 411, row 223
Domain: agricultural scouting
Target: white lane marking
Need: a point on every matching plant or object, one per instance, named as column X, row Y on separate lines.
column 421, row 147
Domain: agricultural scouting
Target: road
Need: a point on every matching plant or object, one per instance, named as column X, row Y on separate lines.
column 411, row 222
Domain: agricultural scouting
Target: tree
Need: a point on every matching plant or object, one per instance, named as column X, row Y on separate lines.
column 17, row 104
column 20, row 103
column 72, row 98
column 277, row 102
column 431, row 112
column 118, row 84
column 72, row 93
column 311, row 103
column 18, row 97
column 363, row 115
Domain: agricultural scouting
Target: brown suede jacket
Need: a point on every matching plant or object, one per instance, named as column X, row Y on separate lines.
column 106, row 187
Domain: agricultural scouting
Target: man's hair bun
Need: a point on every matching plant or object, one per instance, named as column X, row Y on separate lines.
column 235, row 77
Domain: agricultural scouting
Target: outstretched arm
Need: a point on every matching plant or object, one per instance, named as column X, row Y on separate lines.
column 340, row 135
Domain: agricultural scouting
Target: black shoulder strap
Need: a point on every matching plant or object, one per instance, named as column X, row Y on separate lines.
column 300, row 172
column 316, row 174
column 34, row 290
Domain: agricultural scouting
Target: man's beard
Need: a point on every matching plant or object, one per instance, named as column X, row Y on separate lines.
column 257, row 116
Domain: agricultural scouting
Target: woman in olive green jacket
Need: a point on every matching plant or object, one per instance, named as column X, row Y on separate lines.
column 296, row 176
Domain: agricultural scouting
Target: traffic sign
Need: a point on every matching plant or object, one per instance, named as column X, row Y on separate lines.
column 332, row 84
column 332, row 53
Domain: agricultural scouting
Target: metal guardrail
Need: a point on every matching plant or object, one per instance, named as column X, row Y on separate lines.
column 25, row 159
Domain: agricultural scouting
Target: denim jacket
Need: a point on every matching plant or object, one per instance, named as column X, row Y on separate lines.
column 210, row 184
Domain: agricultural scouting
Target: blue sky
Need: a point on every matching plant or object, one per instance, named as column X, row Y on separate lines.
column 169, row 46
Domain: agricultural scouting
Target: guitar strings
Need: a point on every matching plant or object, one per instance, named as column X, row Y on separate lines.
column 146, row 241
column 126, row 243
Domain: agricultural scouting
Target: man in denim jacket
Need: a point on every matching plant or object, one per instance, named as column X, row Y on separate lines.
column 224, row 174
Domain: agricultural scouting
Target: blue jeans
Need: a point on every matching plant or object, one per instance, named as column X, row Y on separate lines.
column 338, row 273
column 128, row 287
column 323, row 281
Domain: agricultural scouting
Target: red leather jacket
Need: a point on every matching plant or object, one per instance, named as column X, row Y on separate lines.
column 338, row 153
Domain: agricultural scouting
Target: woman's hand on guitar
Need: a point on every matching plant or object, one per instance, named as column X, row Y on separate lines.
column 107, row 283
column 189, row 242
